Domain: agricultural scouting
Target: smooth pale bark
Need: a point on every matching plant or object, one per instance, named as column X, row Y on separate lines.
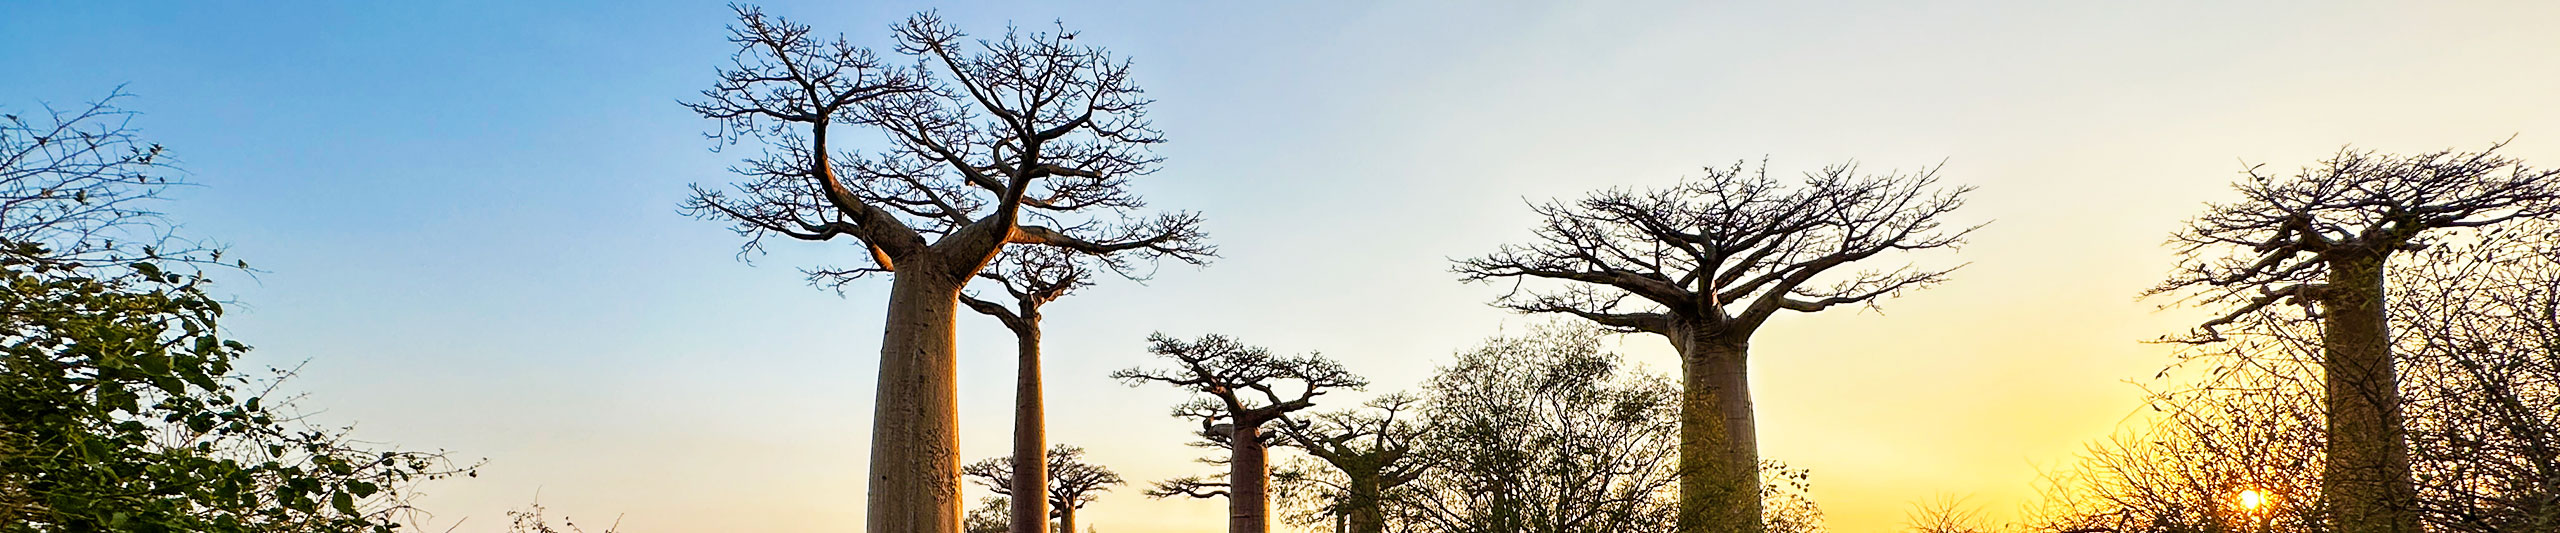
column 1719, row 438
column 1248, row 482
column 915, row 456
column 2367, row 479
column 1030, row 435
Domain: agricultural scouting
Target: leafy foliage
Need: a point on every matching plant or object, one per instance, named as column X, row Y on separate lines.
column 120, row 405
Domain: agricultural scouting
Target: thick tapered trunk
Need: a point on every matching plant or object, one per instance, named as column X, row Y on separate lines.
column 2367, row 479
column 1366, row 499
column 1719, row 439
column 1030, row 434
column 1067, row 519
column 1248, row 481
column 915, row 438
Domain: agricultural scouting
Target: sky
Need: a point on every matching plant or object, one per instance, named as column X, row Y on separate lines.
column 465, row 214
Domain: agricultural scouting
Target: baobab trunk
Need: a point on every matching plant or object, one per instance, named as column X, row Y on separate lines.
column 1248, row 482
column 1367, row 501
column 2367, row 476
column 1719, row 439
column 1030, row 436
column 915, row 454
column 1067, row 519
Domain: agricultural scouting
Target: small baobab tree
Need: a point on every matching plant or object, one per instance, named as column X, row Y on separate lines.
column 1031, row 277
column 1375, row 449
column 1072, row 482
column 2322, row 240
column 1029, row 139
column 1704, row 263
column 1238, row 392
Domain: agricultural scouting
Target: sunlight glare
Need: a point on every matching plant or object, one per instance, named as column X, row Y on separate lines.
column 2250, row 499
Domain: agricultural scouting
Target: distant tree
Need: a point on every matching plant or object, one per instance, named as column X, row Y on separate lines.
column 1946, row 515
column 1786, row 499
column 993, row 515
column 2323, row 239
column 1031, row 277
column 1026, row 139
column 1072, row 482
column 1372, row 452
column 1547, row 432
column 2249, row 422
column 121, row 407
column 1704, row 263
column 1238, row 392
column 535, row 518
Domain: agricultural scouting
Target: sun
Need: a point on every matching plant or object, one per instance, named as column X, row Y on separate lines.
column 2251, row 499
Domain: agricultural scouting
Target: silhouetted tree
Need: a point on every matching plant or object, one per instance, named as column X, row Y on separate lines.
column 1031, row 277
column 1945, row 515
column 77, row 184
column 534, row 519
column 1238, row 391
column 1706, row 262
column 1072, row 482
column 2474, row 331
column 1026, row 139
column 1374, row 450
column 1547, row 433
column 2479, row 334
column 2323, row 239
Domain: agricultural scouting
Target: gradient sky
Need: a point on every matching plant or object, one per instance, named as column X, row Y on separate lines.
column 466, row 213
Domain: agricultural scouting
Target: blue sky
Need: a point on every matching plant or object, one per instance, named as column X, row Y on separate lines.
column 466, row 212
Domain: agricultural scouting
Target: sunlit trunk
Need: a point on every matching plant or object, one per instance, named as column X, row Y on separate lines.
column 2367, row 478
column 1030, row 436
column 1719, row 439
column 915, row 460
column 1248, row 479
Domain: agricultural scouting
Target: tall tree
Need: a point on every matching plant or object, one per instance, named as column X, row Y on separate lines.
column 2323, row 239
column 1704, row 263
column 1026, row 139
column 1238, row 391
column 1031, row 277
column 1375, row 449
column 1072, row 482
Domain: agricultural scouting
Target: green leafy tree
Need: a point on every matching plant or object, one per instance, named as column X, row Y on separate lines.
column 120, row 405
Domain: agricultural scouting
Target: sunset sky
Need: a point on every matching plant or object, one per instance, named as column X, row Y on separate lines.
column 465, row 214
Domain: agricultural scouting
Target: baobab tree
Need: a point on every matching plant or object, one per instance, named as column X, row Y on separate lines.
column 1238, row 391
column 1375, row 449
column 1029, row 139
column 1704, row 263
column 2322, row 240
column 1071, row 481
column 1031, row 277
